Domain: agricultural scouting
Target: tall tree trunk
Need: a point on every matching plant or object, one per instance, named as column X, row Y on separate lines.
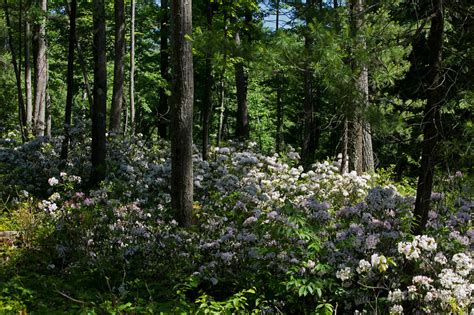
column 241, row 81
column 431, row 119
column 41, row 73
column 69, row 78
column 132, row 67
column 163, row 107
column 21, row 106
column 117, row 94
column 100, row 95
column 28, row 87
column 279, row 121
column 182, row 113
column 222, row 110
column 207, row 98
column 309, row 143
column 361, row 153
column 48, row 115
column 345, row 139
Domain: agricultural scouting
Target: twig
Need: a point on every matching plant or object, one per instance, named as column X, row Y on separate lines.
column 71, row 298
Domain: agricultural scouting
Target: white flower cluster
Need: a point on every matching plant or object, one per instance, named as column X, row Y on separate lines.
column 412, row 250
column 344, row 274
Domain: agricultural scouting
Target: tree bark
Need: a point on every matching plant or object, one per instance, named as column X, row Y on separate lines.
column 132, row 67
column 207, row 98
column 41, row 73
column 361, row 152
column 163, row 107
column 69, row 79
column 21, row 106
column 241, row 81
column 309, row 140
column 182, row 112
column 100, row 95
column 431, row 119
column 28, row 87
column 117, row 94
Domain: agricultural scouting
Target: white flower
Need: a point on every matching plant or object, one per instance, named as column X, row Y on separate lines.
column 379, row 262
column 440, row 259
column 310, row 264
column 53, row 181
column 396, row 310
column 54, row 196
column 344, row 274
column 464, row 264
column 364, row 266
column 396, row 296
column 422, row 281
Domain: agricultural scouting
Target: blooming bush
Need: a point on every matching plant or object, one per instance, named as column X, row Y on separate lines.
column 268, row 237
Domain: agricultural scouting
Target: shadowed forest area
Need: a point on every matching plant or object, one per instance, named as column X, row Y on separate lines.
column 236, row 157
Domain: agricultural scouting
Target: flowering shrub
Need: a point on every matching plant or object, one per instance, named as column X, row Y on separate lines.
column 268, row 237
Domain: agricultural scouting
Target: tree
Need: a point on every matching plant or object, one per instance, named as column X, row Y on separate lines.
column 309, row 128
column 16, row 68
column 182, row 112
column 164, row 69
column 117, row 96
column 132, row 67
column 435, row 97
column 242, row 127
column 207, row 97
column 100, row 95
column 70, row 78
column 41, row 72
column 28, row 86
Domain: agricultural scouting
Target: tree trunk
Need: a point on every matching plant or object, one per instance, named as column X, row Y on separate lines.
column 41, row 73
column 100, row 95
column 361, row 152
column 309, row 141
column 28, row 87
column 279, row 121
column 132, row 67
column 207, row 98
column 48, row 116
column 117, row 94
column 345, row 139
column 69, row 78
column 431, row 123
column 163, row 107
column 21, row 107
column 182, row 112
column 241, row 81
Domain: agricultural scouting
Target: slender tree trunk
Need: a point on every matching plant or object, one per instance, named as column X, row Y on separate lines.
column 431, row 123
column 117, row 94
column 207, row 98
column 41, row 73
column 279, row 104
column 132, row 67
column 85, row 77
column 48, row 115
column 241, row 81
column 28, row 88
column 100, row 95
column 163, row 107
column 220, row 129
column 69, row 78
column 182, row 113
column 279, row 121
column 21, row 107
column 309, row 143
column 345, row 139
